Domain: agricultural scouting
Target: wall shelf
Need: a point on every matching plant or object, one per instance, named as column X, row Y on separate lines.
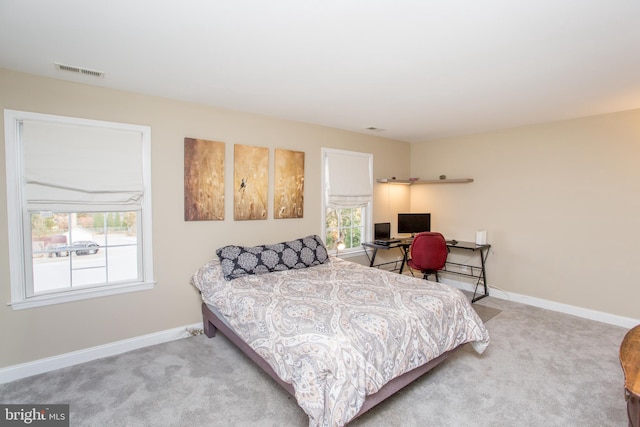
column 412, row 181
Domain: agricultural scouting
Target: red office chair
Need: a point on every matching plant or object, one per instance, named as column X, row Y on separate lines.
column 428, row 253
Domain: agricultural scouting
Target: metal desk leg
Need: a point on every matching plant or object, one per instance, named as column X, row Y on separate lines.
column 475, row 298
column 404, row 258
column 372, row 258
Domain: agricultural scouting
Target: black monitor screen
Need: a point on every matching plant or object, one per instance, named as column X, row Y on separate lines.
column 414, row 222
column 382, row 230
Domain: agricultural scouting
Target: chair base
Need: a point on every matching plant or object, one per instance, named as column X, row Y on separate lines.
column 426, row 274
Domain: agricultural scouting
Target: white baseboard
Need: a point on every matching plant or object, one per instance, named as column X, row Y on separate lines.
column 599, row 316
column 28, row 369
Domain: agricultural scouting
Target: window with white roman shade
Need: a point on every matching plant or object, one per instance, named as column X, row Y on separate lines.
column 347, row 178
column 79, row 198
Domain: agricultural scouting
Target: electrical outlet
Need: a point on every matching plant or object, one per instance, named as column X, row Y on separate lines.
column 195, row 332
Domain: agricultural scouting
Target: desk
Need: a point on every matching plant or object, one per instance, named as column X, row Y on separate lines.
column 477, row 272
column 403, row 245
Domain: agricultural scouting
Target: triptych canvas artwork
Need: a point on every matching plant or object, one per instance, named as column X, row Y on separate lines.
column 204, row 183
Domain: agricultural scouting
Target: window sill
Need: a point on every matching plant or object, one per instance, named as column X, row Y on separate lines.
column 348, row 253
column 79, row 294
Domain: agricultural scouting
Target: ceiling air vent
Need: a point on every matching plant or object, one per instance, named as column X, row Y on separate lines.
column 79, row 70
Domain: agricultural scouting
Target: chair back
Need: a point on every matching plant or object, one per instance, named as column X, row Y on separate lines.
column 429, row 251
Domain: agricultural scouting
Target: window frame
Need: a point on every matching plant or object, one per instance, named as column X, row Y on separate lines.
column 343, row 231
column 367, row 216
column 19, row 217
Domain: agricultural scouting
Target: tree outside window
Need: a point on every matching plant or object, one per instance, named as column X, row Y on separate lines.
column 346, row 225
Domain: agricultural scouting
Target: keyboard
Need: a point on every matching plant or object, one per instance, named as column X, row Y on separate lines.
column 386, row 242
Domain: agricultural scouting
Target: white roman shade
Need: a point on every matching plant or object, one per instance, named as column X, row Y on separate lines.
column 349, row 179
column 69, row 166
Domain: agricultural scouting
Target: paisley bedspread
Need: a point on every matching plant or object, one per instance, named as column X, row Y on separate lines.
column 340, row 331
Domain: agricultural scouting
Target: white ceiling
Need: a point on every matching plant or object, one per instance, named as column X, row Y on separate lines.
column 420, row 69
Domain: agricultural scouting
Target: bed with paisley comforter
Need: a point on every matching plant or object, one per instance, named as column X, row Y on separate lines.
column 337, row 335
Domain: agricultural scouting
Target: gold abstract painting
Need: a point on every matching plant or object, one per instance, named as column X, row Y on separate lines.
column 250, row 182
column 203, row 180
column 289, row 184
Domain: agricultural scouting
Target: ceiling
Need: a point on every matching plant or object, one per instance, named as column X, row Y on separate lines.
column 415, row 70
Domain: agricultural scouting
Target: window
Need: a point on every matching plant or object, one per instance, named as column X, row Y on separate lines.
column 345, row 224
column 79, row 198
column 347, row 197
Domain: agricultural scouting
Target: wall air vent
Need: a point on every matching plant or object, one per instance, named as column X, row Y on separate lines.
column 79, row 70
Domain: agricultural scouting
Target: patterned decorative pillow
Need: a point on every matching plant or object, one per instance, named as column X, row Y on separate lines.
column 237, row 261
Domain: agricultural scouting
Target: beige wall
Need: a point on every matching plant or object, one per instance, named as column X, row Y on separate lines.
column 560, row 203
column 179, row 247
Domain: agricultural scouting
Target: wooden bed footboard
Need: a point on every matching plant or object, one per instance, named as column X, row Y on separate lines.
column 211, row 323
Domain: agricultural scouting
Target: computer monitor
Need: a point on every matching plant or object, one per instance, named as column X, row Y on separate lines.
column 382, row 230
column 414, row 223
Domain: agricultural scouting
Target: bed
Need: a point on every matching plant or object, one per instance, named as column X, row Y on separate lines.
column 337, row 335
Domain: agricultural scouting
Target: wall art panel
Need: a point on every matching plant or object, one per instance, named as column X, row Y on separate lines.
column 289, row 184
column 203, row 180
column 250, row 182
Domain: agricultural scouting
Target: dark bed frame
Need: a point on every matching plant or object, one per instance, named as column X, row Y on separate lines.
column 211, row 323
